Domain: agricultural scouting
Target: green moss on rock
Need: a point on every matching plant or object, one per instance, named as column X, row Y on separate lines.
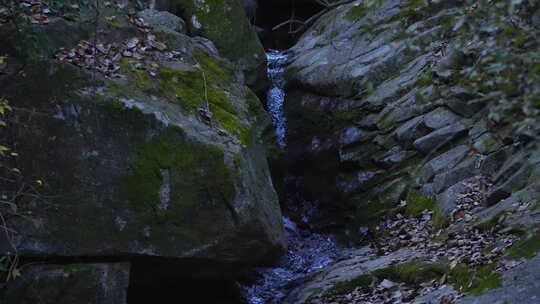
column 425, row 81
column 356, row 12
column 491, row 223
column 440, row 237
column 362, row 282
column 439, row 220
column 192, row 91
column 218, row 71
column 201, row 187
column 140, row 77
column 225, row 23
column 527, row 247
column 471, row 280
column 475, row 280
column 211, row 82
column 417, row 203
column 408, row 16
column 412, row 273
column 369, row 213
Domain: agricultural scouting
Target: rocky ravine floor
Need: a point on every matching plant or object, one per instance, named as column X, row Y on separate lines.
column 418, row 258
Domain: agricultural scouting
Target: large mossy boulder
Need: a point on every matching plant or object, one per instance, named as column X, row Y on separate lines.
column 226, row 24
column 163, row 160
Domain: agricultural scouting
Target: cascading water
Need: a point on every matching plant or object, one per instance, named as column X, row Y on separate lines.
column 275, row 97
column 307, row 251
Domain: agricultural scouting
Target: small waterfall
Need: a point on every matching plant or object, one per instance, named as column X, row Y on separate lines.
column 307, row 251
column 275, row 97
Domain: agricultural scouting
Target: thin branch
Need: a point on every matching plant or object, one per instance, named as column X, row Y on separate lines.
column 13, row 265
column 288, row 22
column 312, row 19
column 12, row 262
column 205, row 91
column 323, row 3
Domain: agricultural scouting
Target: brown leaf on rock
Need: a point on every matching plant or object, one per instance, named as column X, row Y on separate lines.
column 159, row 45
column 458, row 214
column 106, row 57
column 39, row 18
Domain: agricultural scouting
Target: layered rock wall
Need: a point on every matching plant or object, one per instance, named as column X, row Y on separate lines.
column 370, row 102
column 382, row 125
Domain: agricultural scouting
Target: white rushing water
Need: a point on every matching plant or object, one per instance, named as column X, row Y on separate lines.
column 307, row 251
column 275, row 98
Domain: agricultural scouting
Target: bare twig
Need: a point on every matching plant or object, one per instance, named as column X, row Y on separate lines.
column 204, row 110
column 324, row 3
column 305, row 24
column 12, row 259
column 290, row 21
column 205, row 91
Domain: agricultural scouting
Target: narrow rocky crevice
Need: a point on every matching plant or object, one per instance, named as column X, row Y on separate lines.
column 273, row 13
column 310, row 247
column 392, row 175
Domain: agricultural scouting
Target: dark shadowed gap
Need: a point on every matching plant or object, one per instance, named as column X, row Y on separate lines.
column 272, row 13
column 186, row 291
column 182, row 281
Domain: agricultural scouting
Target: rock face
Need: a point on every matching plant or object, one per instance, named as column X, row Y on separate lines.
column 369, row 101
column 165, row 20
column 225, row 23
column 160, row 159
column 358, row 265
column 250, row 6
column 377, row 116
column 519, row 285
column 69, row 284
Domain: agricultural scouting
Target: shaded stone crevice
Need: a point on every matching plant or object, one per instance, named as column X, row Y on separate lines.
column 146, row 279
column 293, row 84
column 281, row 11
column 195, row 291
column 155, row 280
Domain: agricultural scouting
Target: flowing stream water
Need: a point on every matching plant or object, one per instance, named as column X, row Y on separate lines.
column 307, row 251
column 275, row 97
